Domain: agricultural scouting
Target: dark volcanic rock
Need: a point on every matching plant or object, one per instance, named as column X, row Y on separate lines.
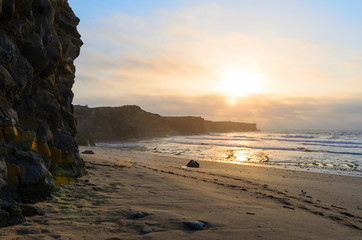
column 196, row 225
column 146, row 230
column 193, row 164
column 121, row 123
column 88, row 152
column 38, row 44
column 139, row 215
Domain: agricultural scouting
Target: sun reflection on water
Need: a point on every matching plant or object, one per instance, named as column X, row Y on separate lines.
column 245, row 156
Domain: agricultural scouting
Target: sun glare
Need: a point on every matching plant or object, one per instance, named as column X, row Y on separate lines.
column 239, row 83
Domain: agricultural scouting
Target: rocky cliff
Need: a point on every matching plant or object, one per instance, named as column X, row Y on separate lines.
column 109, row 124
column 38, row 44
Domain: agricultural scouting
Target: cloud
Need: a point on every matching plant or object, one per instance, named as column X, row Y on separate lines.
column 182, row 46
column 172, row 62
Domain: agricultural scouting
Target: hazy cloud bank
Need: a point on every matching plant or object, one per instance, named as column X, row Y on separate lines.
column 267, row 112
column 171, row 62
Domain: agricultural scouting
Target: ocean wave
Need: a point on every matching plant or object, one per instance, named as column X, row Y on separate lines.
column 298, row 149
column 335, row 152
column 331, row 145
column 231, row 145
column 220, row 139
column 298, row 136
column 285, row 138
column 241, row 136
column 312, row 141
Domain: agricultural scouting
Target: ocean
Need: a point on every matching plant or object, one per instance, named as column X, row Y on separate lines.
column 335, row 152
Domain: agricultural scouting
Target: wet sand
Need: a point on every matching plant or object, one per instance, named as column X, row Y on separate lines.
column 234, row 202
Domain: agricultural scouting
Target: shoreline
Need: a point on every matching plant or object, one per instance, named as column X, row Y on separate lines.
column 235, row 201
column 344, row 189
column 290, row 166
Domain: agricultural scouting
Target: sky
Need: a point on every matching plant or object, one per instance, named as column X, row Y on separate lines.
column 284, row 64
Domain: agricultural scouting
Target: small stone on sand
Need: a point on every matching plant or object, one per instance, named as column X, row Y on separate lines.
column 193, row 164
column 139, row 215
column 88, row 152
column 197, row 225
column 146, row 230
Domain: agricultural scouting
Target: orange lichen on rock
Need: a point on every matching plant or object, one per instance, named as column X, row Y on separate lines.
column 68, row 69
column 56, row 155
column 58, row 172
column 43, row 148
column 10, row 133
column 68, row 159
column 34, row 145
column 24, row 137
column 63, row 180
column 51, row 79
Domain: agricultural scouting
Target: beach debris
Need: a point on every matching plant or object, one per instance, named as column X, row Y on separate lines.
column 87, row 152
column 303, row 193
column 231, row 156
column 264, row 159
column 139, row 215
column 250, row 213
column 196, row 225
column 193, row 164
column 146, row 230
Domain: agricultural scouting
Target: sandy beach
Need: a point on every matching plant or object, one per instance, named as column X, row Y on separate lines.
column 233, row 201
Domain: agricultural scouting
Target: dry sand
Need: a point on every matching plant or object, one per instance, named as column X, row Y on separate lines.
column 235, row 201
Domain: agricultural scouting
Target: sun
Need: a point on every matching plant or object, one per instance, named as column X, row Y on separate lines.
column 238, row 83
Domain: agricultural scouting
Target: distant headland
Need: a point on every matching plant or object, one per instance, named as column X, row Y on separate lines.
column 110, row 124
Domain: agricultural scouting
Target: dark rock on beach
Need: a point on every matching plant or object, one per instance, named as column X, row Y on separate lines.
column 193, row 164
column 139, row 215
column 146, row 230
column 38, row 44
column 87, row 152
column 15, row 214
column 196, row 225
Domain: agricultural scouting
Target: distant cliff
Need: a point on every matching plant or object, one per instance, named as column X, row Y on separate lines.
column 107, row 124
column 38, row 44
